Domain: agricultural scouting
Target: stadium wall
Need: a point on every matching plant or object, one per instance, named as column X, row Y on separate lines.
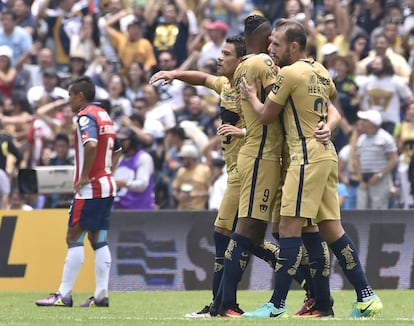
column 172, row 250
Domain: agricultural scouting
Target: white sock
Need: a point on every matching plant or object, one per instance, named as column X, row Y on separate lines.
column 102, row 269
column 73, row 263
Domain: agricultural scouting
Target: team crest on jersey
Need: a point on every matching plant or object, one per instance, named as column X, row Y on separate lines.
column 263, row 208
column 83, row 121
column 275, row 89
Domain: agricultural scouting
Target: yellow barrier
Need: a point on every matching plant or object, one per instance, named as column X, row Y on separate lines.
column 33, row 250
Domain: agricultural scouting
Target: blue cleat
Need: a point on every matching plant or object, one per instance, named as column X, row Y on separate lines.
column 268, row 310
column 368, row 308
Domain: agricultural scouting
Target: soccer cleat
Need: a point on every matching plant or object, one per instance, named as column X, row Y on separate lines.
column 368, row 308
column 203, row 313
column 308, row 304
column 266, row 311
column 314, row 312
column 55, row 300
column 92, row 302
column 231, row 313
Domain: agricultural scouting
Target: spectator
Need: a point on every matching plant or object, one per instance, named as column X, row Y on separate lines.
column 197, row 108
column 107, row 49
column 405, row 141
column 134, row 175
column 217, row 32
column 408, row 20
column 4, row 190
column 84, row 43
column 188, row 92
column 8, row 74
column 192, row 183
column 159, row 117
column 15, row 37
column 171, row 93
column 392, row 28
column 335, row 30
column 372, row 15
column 348, row 170
column 77, row 68
column 384, row 91
column 17, row 120
column 34, row 72
column 18, row 201
column 174, row 140
column 382, row 46
column 359, row 46
column 377, row 157
column 169, row 31
column 49, row 89
column 59, row 116
column 63, row 22
column 10, row 157
column 134, row 80
column 232, row 12
column 121, row 106
column 342, row 193
column 219, row 184
column 24, row 17
column 62, row 155
column 347, row 94
column 131, row 46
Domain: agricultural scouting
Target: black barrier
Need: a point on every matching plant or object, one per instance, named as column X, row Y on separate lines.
column 175, row 250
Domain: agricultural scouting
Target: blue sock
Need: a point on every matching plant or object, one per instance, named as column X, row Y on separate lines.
column 347, row 255
column 287, row 265
column 236, row 259
column 267, row 251
column 302, row 276
column 319, row 267
column 221, row 242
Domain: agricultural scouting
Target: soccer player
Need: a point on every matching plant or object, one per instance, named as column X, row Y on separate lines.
column 232, row 134
column 96, row 155
column 258, row 164
column 303, row 91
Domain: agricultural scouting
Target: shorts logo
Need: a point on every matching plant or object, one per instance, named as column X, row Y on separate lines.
column 263, row 208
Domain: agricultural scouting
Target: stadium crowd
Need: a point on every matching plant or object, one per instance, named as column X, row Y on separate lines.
column 367, row 46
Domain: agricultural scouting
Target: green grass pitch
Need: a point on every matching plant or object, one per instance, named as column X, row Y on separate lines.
column 169, row 308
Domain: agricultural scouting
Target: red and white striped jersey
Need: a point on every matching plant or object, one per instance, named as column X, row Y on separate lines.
column 94, row 124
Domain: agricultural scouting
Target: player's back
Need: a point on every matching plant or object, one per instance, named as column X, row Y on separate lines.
column 262, row 141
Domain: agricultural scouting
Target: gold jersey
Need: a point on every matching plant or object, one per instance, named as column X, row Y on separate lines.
column 230, row 114
column 261, row 141
column 304, row 89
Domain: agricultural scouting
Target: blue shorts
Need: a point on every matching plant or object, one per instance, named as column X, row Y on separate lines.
column 91, row 214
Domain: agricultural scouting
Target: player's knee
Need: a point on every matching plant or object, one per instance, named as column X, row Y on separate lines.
column 98, row 245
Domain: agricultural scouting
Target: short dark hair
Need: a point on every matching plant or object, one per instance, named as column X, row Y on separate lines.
column 239, row 44
column 294, row 31
column 62, row 137
column 177, row 131
column 253, row 23
column 85, row 85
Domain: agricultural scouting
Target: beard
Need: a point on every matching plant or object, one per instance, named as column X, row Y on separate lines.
column 284, row 59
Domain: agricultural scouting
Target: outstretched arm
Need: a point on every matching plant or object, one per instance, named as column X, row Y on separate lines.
column 192, row 77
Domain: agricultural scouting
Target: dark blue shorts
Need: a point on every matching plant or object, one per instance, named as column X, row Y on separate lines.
column 91, row 214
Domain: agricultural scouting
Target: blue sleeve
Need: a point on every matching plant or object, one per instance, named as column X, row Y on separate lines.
column 88, row 128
